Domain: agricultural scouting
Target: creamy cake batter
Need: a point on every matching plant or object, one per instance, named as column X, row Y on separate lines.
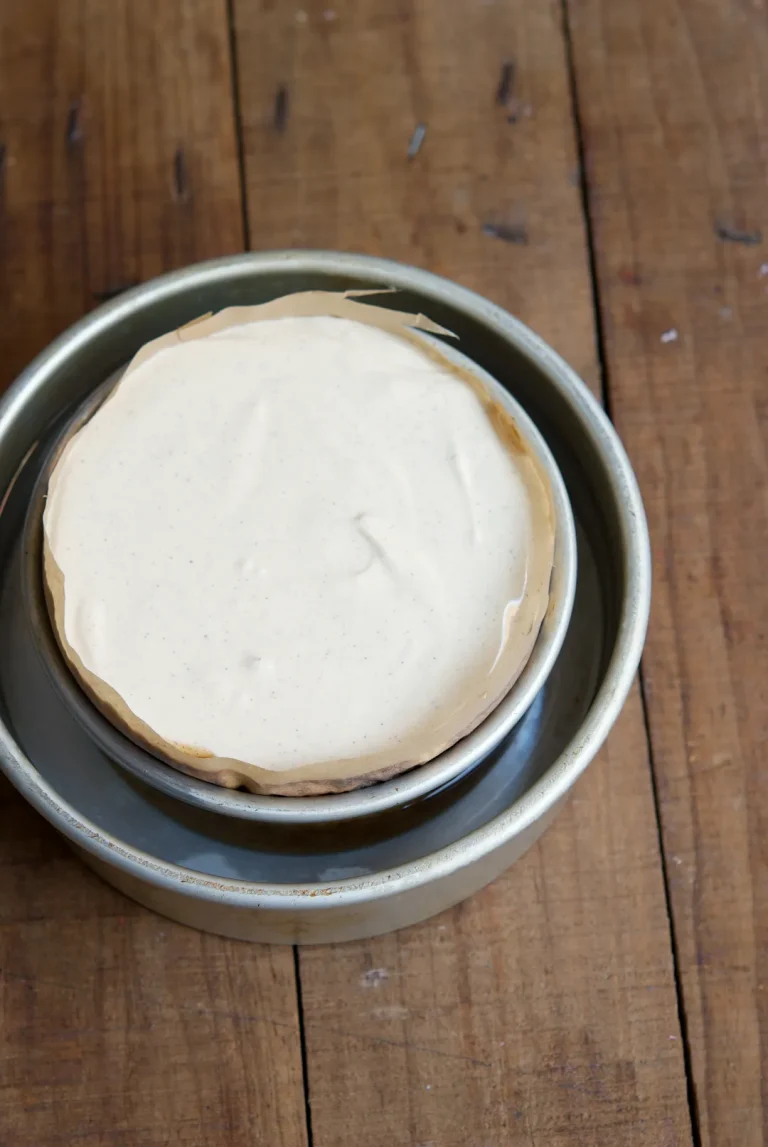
column 297, row 549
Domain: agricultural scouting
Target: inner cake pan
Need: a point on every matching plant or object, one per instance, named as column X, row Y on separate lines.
column 400, row 790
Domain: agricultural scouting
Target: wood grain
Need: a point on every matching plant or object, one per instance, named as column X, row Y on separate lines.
column 544, row 1010
column 674, row 101
column 119, row 161
column 491, row 202
column 119, row 157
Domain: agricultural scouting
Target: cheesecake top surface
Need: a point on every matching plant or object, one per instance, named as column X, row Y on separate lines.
column 300, row 543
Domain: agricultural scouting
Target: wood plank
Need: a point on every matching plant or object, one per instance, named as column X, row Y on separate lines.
column 544, row 1010
column 118, row 155
column 119, row 161
column 675, row 110
column 332, row 168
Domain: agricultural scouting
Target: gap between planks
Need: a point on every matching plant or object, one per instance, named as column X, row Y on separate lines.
column 605, row 390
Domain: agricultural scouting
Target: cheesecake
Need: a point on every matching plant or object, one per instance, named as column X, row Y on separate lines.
column 300, row 548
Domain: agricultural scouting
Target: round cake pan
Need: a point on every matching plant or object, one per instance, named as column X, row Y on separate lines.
column 276, row 882
column 376, row 798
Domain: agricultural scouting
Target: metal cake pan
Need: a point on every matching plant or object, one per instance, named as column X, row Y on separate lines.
column 376, row 798
column 282, row 883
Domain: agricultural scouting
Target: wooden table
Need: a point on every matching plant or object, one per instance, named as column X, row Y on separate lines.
column 599, row 168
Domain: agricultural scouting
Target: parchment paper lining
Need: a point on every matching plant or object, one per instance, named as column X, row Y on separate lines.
column 457, row 719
